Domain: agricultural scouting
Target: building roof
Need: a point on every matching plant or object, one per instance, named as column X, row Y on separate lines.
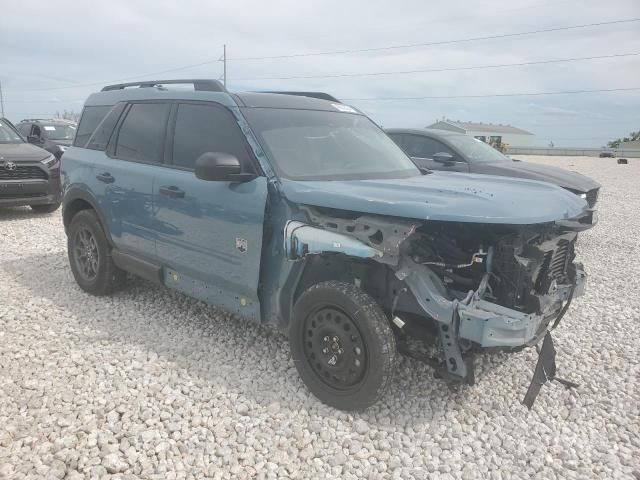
column 464, row 127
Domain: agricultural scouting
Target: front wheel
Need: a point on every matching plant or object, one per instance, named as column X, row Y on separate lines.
column 48, row 208
column 342, row 345
column 90, row 255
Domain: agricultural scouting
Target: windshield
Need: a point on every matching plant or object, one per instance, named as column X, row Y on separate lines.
column 8, row 134
column 476, row 150
column 59, row 132
column 320, row 145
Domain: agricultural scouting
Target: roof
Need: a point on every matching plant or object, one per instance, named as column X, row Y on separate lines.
column 464, row 127
column 211, row 90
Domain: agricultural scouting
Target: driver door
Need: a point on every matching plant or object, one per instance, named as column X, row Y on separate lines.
column 209, row 233
column 421, row 150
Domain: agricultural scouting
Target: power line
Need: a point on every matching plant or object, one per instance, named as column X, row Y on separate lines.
column 439, row 42
column 133, row 77
column 526, row 94
column 443, row 69
column 336, row 52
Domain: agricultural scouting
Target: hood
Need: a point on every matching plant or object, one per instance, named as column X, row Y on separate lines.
column 546, row 173
column 444, row 196
column 21, row 152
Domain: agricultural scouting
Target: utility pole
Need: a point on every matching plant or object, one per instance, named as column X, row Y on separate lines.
column 1, row 102
column 224, row 65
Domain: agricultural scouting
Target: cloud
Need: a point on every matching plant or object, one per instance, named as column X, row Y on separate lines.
column 97, row 42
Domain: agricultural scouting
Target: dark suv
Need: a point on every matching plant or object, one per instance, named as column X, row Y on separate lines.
column 28, row 175
column 301, row 213
column 53, row 135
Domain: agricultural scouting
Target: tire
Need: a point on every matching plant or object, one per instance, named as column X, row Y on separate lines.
column 48, row 208
column 342, row 345
column 99, row 276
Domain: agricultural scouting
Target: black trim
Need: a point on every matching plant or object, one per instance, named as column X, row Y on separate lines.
column 319, row 95
column 137, row 266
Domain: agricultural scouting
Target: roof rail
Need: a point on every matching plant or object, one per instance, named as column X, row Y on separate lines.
column 320, row 95
column 199, row 84
column 32, row 120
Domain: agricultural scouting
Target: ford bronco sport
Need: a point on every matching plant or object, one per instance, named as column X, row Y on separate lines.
column 301, row 213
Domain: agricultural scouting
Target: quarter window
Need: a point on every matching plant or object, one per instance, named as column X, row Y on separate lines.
column 142, row 133
column 91, row 117
column 206, row 128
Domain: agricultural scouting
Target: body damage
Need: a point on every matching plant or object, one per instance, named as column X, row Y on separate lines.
column 452, row 289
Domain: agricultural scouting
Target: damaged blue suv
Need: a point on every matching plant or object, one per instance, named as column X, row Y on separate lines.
column 301, row 213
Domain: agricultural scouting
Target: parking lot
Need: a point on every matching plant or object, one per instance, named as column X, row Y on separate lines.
column 152, row 384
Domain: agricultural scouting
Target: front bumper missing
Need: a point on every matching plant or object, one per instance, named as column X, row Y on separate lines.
column 486, row 324
column 490, row 325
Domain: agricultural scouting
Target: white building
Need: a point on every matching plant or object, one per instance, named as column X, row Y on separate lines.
column 495, row 134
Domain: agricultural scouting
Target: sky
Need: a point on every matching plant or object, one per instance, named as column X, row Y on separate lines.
column 54, row 54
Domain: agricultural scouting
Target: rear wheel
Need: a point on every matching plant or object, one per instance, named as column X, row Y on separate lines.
column 48, row 208
column 90, row 255
column 342, row 345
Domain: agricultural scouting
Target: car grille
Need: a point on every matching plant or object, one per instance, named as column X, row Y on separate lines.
column 21, row 195
column 23, row 172
column 592, row 197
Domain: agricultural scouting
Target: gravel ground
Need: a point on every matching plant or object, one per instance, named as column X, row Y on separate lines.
column 152, row 384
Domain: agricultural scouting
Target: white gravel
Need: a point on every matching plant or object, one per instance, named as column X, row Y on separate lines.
column 152, row 384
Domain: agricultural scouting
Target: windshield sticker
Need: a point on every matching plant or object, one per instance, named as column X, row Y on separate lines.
column 343, row 108
column 50, row 128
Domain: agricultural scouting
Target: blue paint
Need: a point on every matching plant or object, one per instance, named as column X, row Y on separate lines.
column 452, row 197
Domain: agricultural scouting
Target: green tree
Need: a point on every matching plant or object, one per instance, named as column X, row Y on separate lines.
column 616, row 143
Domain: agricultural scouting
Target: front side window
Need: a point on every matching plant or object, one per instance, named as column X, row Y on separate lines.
column 476, row 150
column 141, row 135
column 8, row 134
column 321, row 145
column 205, row 128
column 424, row 147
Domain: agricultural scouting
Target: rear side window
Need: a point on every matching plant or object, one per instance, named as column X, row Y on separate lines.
column 206, row 128
column 91, row 117
column 100, row 138
column 141, row 135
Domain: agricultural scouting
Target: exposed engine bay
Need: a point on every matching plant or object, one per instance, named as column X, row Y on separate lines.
column 456, row 288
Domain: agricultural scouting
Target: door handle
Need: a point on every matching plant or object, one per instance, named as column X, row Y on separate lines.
column 105, row 177
column 171, row 191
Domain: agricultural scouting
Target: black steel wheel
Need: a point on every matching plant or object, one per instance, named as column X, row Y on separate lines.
column 342, row 345
column 90, row 255
column 334, row 348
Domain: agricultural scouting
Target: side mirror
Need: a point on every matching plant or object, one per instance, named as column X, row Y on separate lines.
column 443, row 157
column 220, row 167
column 33, row 139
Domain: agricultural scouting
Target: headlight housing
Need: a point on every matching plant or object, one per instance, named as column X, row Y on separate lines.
column 50, row 161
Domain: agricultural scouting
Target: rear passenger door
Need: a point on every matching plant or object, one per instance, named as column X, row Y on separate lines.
column 209, row 233
column 135, row 152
